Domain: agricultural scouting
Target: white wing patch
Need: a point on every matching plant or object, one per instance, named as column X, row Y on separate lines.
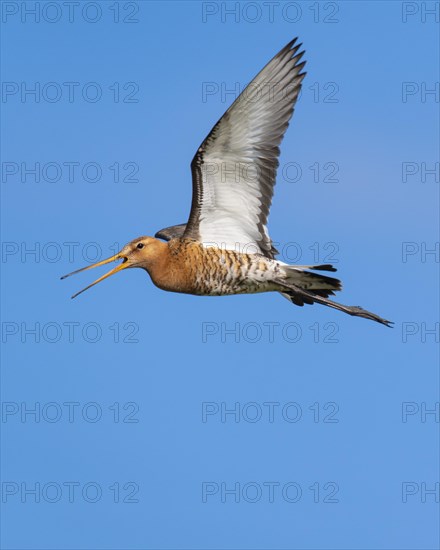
column 234, row 170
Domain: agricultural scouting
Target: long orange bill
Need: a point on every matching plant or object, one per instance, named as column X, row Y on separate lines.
column 114, row 258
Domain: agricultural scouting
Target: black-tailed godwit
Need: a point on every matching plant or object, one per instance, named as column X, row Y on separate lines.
column 225, row 247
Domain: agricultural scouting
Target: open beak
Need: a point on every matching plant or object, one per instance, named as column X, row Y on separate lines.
column 114, row 258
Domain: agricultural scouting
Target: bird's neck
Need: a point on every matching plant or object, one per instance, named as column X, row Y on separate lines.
column 171, row 269
column 160, row 266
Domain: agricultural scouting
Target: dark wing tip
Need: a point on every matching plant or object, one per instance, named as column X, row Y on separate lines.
column 300, row 67
column 289, row 45
column 291, row 48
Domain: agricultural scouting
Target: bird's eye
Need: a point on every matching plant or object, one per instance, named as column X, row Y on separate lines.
column 140, row 245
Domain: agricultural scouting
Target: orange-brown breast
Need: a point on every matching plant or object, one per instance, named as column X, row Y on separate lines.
column 173, row 269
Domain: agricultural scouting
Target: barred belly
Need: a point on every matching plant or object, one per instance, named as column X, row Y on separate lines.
column 223, row 272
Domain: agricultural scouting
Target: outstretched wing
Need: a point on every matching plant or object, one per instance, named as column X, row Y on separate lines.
column 234, row 169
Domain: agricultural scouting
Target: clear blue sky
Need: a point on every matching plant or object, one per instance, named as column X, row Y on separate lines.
column 331, row 445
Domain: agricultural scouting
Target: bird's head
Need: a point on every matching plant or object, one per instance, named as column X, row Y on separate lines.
column 142, row 252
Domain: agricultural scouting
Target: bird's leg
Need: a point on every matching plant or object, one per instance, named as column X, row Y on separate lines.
column 351, row 310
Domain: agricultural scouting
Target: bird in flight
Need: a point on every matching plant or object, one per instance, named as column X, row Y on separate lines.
column 225, row 247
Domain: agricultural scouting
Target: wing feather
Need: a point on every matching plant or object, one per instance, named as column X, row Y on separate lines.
column 234, row 169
